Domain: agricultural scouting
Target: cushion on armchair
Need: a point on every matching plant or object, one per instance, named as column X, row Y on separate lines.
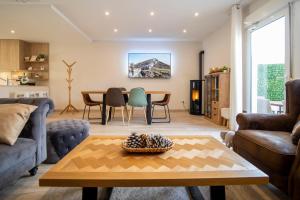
column 13, row 118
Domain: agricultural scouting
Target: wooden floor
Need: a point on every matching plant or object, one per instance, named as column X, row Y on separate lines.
column 182, row 124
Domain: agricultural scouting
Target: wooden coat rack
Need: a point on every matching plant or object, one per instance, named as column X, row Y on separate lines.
column 69, row 107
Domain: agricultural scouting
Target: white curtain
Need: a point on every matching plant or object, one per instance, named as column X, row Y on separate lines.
column 236, row 76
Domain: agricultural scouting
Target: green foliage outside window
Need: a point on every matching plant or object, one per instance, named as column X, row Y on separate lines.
column 270, row 81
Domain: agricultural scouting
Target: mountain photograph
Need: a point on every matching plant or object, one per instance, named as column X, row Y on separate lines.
column 149, row 65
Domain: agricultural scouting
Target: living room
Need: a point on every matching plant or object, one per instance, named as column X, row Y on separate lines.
column 149, row 99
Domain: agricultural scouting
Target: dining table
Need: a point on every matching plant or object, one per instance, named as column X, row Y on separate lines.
column 148, row 93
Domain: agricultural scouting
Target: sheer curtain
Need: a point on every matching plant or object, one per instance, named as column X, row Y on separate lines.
column 236, row 76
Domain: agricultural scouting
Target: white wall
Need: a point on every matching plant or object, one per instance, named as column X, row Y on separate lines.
column 217, row 48
column 102, row 65
column 296, row 42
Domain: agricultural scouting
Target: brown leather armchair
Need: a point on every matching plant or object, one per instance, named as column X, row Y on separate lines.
column 265, row 141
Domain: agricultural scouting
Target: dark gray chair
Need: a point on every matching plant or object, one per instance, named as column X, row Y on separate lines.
column 115, row 99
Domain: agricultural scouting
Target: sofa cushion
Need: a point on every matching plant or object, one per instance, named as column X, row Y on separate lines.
column 10, row 156
column 272, row 149
column 13, row 118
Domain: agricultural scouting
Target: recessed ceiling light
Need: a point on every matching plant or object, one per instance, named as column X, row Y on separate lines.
column 150, row 30
column 107, row 13
column 12, row 31
column 196, row 14
column 152, row 13
column 184, row 30
column 116, row 30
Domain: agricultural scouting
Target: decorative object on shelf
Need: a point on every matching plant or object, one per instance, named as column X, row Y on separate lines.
column 149, row 65
column 223, row 69
column 27, row 59
column 42, row 68
column 144, row 143
column 69, row 107
column 33, row 58
column 29, row 68
column 41, row 58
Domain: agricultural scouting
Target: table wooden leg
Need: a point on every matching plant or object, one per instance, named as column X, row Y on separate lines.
column 104, row 110
column 89, row 193
column 216, row 193
column 149, row 107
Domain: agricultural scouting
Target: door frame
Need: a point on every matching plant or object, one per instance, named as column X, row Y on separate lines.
column 284, row 12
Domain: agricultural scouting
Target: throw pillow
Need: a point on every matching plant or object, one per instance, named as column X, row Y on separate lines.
column 13, row 118
column 296, row 133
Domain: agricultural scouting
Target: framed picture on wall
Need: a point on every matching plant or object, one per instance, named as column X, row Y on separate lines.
column 149, row 65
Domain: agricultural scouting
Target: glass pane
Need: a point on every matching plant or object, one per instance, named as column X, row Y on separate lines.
column 268, row 68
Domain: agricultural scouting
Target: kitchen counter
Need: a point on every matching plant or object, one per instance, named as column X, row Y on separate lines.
column 13, row 91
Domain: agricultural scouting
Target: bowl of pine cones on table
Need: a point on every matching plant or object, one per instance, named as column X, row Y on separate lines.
column 144, row 143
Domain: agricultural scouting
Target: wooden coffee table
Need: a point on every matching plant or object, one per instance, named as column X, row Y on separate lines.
column 99, row 161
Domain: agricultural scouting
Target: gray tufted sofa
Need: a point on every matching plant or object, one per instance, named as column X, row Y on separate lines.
column 63, row 136
column 30, row 149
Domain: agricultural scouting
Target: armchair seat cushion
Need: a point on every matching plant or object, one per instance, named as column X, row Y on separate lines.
column 23, row 149
column 271, row 150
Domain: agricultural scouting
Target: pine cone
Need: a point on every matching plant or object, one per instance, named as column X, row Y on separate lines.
column 135, row 141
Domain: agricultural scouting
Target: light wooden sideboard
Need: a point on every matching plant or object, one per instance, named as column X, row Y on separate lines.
column 217, row 89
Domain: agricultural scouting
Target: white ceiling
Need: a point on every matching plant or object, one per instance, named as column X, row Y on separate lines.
column 58, row 19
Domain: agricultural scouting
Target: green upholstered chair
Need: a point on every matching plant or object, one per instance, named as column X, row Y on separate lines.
column 137, row 98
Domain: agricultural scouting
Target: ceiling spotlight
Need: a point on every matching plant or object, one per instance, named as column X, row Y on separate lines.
column 150, row 30
column 107, row 13
column 184, row 30
column 12, row 31
column 116, row 30
column 196, row 14
column 152, row 13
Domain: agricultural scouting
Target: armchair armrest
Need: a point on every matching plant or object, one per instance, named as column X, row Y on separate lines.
column 294, row 177
column 265, row 122
column 35, row 127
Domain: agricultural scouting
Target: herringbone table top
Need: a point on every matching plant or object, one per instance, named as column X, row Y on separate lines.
column 201, row 160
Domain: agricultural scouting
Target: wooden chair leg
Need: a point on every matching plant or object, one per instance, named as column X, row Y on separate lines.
column 83, row 111
column 145, row 114
column 130, row 113
column 169, row 114
column 107, row 115
column 122, row 110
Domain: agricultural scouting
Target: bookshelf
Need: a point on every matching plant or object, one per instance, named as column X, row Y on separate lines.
column 216, row 95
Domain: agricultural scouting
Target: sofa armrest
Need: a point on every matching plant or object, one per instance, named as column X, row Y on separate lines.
column 35, row 127
column 265, row 122
column 294, row 177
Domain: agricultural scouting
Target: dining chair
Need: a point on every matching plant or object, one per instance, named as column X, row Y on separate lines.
column 115, row 99
column 164, row 103
column 90, row 103
column 137, row 98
